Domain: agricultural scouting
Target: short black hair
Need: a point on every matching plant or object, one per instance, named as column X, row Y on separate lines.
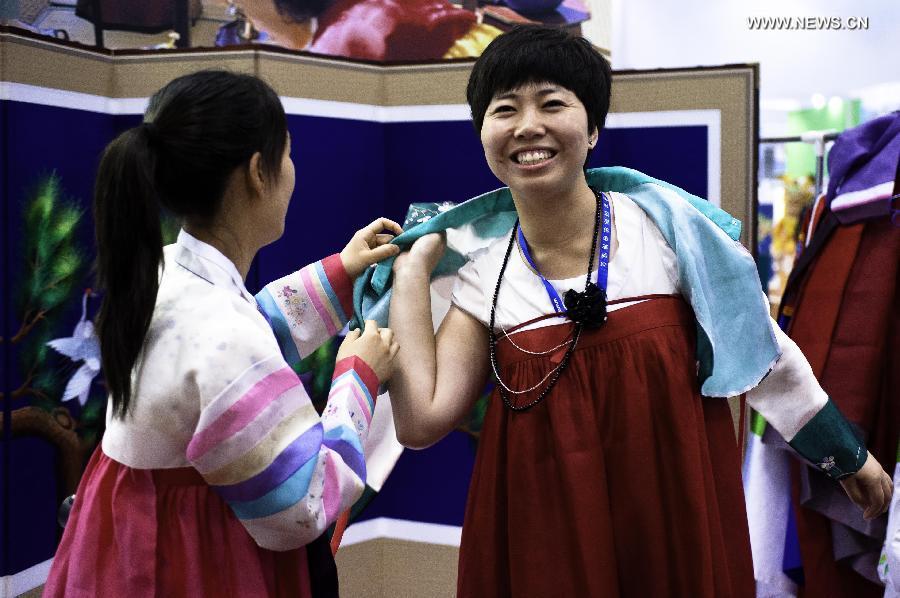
column 537, row 54
column 301, row 10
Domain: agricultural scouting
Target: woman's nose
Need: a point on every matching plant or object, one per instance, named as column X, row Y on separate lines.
column 529, row 124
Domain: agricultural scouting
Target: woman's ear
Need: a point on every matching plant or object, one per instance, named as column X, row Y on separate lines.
column 592, row 138
column 256, row 180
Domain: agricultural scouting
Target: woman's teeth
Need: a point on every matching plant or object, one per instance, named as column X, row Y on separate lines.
column 533, row 157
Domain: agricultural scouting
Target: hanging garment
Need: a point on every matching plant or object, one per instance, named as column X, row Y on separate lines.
column 840, row 307
column 889, row 563
column 861, row 166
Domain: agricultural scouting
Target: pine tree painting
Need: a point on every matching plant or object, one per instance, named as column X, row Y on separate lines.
column 49, row 278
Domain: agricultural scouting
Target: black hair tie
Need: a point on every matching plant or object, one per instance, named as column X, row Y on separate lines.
column 151, row 131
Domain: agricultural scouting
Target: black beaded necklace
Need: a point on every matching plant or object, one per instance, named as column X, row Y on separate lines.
column 586, row 309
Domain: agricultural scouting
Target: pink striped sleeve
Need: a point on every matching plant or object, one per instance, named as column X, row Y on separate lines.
column 307, row 307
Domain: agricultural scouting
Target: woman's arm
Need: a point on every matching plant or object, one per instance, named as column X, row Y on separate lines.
column 792, row 401
column 436, row 380
column 284, row 471
column 309, row 306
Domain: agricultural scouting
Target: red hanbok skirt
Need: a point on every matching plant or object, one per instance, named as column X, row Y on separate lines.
column 140, row 532
column 624, row 481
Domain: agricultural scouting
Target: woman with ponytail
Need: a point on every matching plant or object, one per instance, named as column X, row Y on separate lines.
column 216, row 476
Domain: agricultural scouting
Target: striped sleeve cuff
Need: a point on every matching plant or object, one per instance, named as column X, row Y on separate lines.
column 361, row 368
column 341, row 285
column 829, row 442
column 348, row 415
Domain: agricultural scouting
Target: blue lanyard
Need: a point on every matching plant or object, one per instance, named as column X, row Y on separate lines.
column 602, row 255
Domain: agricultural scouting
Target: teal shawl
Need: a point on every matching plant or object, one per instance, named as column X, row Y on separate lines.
column 736, row 347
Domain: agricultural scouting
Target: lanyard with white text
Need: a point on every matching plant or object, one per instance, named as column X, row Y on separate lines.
column 602, row 254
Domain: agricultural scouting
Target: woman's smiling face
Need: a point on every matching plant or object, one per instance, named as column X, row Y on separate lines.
column 536, row 138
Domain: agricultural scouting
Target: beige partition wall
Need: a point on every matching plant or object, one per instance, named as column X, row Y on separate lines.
column 731, row 92
column 381, row 560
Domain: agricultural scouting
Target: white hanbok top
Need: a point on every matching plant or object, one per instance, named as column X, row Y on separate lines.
column 212, row 391
column 642, row 263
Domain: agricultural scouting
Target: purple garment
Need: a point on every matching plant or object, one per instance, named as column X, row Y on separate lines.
column 862, row 165
column 854, row 539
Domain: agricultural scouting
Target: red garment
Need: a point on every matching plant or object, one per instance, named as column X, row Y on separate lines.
column 863, row 353
column 846, row 322
column 811, row 329
column 139, row 532
column 390, row 30
column 624, row 481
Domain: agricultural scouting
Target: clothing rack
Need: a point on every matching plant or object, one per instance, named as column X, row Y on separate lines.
column 818, row 139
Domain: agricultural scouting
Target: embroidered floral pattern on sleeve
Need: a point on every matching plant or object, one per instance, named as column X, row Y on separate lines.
column 307, row 307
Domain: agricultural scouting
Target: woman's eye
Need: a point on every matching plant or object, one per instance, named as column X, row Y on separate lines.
column 553, row 104
column 502, row 108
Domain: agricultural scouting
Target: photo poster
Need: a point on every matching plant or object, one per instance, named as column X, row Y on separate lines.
column 398, row 31
column 355, row 161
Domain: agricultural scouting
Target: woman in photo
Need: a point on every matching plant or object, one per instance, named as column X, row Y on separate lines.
column 602, row 469
column 216, row 476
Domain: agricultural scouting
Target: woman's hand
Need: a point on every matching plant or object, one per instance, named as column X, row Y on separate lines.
column 870, row 488
column 423, row 256
column 376, row 346
column 369, row 246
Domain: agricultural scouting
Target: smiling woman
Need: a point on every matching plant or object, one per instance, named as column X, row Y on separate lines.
column 535, row 137
column 602, row 469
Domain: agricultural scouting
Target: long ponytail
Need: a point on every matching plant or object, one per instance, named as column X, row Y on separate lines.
column 129, row 255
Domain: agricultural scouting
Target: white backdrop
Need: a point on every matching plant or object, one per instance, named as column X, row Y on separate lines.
column 647, row 34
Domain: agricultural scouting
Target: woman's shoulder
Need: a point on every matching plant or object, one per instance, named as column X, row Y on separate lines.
column 625, row 208
column 484, row 265
column 629, row 216
column 210, row 314
column 493, row 254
